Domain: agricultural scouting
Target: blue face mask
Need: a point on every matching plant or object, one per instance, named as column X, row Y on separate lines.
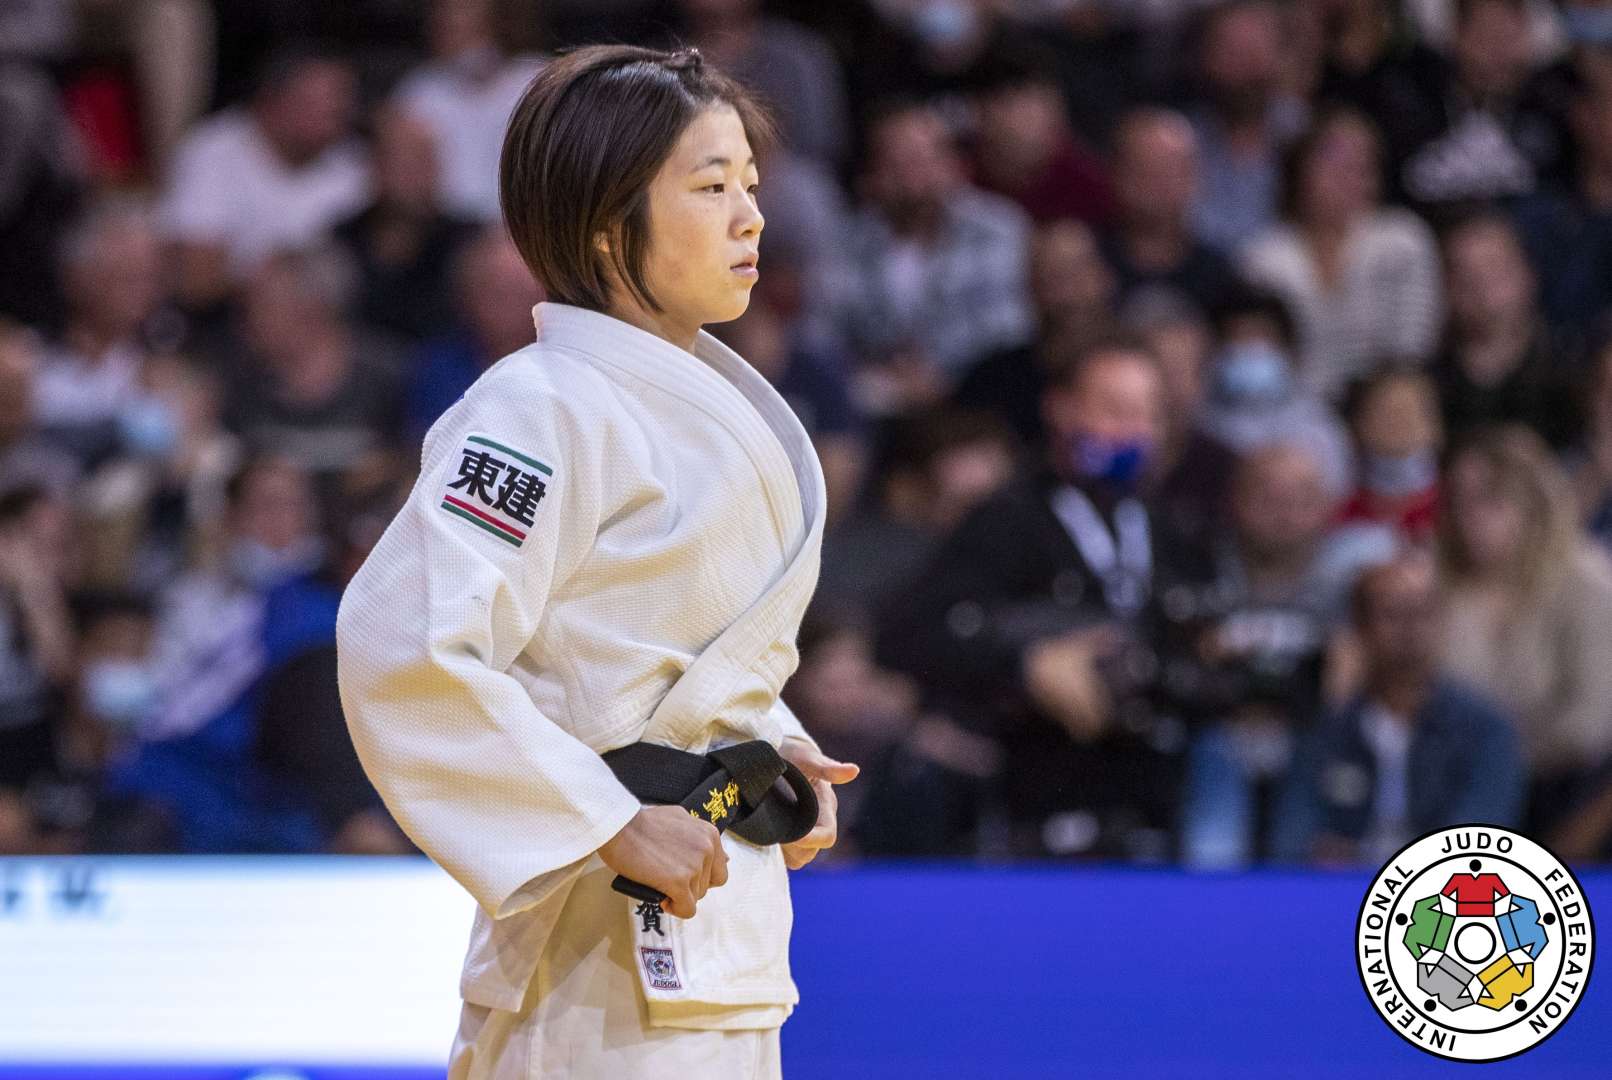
column 120, row 692
column 1119, row 463
column 942, row 24
column 257, row 565
column 1252, row 373
column 1397, row 476
column 1588, row 25
column 149, row 427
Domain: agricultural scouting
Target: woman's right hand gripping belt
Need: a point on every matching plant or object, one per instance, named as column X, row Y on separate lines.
column 668, row 848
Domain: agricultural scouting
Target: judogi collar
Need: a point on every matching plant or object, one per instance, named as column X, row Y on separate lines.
column 717, row 381
column 713, row 373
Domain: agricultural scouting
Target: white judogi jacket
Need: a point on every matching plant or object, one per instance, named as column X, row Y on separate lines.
column 611, row 540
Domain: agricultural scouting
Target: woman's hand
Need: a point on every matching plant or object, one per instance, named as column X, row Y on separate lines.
column 667, row 848
column 823, row 772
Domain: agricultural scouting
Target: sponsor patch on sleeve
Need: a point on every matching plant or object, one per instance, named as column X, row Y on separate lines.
column 496, row 488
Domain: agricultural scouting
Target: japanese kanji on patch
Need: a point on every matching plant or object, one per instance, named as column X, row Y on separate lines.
column 496, row 488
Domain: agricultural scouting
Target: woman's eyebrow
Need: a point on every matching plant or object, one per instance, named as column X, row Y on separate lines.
column 718, row 160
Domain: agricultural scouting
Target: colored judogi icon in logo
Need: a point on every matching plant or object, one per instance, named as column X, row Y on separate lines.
column 1474, row 943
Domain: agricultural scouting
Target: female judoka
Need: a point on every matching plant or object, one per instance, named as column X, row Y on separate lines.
column 613, row 538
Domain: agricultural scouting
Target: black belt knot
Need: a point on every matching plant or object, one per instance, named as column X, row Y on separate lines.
column 733, row 787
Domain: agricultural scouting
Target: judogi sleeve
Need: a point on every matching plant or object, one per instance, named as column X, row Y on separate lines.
column 483, row 781
column 791, row 724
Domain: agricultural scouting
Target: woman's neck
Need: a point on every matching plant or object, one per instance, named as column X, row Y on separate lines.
column 663, row 324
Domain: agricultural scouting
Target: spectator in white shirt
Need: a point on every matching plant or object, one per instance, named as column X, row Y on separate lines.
column 1363, row 279
column 465, row 95
column 272, row 175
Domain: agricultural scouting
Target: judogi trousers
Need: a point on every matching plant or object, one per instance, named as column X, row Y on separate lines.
column 584, row 1017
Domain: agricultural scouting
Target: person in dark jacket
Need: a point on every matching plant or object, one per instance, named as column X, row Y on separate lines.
column 1415, row 750
column 1020, row 626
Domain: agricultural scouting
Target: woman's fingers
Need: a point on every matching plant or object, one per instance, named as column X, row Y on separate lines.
column 823, row 834
column 719, row 864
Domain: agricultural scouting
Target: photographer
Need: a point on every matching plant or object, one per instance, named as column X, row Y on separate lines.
column 1024, row 624
column 1263, row 646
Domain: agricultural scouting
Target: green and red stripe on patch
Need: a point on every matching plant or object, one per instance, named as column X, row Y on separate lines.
column 497, row 488
column 486, row 521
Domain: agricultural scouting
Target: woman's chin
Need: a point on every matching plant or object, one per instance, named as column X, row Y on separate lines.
column 735, row 306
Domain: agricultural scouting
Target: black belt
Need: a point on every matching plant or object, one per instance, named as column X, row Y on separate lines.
column 734, row 787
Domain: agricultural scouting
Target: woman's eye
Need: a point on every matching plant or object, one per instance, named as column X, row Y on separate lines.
column 718, row 188
column 753, row 188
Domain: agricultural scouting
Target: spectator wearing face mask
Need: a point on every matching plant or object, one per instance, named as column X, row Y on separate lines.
column 111, row 698
column 1017, row 618
column 209, row 653
column 1499, row 363
column 1398, row 436
column 88, row 390
column 1530, row 610
column 143, row 508
column 1254, row 398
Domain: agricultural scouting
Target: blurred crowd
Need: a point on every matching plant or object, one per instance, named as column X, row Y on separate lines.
column 1215, row 400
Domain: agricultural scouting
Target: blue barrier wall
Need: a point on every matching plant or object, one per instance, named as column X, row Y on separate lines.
column 1045, row 972
column 929, row 970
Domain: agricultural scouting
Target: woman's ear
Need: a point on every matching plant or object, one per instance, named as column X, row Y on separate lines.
column 601, row 243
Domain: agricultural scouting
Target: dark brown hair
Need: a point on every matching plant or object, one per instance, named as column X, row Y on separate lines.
column 586, row 139
column 1295, row 163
